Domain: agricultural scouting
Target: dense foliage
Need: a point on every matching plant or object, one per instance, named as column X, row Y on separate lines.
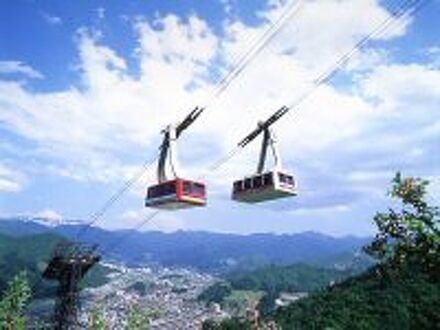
column 411, row 234
column 216, row 293
column 411, row 301
column 14, row 301
column 229, row 324
column 293, row 278
column 271, row 281
column 29, row 253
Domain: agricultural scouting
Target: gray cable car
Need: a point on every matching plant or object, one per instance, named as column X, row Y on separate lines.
column 265, row 185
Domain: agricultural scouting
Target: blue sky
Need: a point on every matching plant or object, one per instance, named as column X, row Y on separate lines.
column 86, row 87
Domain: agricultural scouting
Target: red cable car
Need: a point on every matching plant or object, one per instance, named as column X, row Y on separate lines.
column 175, row 193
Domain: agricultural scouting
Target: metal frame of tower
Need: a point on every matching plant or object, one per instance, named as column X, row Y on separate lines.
column 70, row 262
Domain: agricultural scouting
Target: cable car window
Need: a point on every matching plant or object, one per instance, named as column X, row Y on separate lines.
column 170, row 188
column 258, row 181
column 238, row 186
column 286, row 179
column 283, row 178
column 248, row 183
column 199, row 189
column 193, row 189
column 162, row 190
column 187, row 188
column 155, row 191
column 268, row 179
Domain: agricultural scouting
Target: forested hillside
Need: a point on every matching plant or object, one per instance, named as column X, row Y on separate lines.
column 31, row 254
column 269, row 282
column 411, row 301
column 401, row 292
column 298, row 277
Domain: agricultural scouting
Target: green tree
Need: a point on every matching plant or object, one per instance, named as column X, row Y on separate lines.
column 14, row 302
column 139, row 318
column 409, row 236
column 228, row 324
column 210, row 325
column 96, row 319
column 216, row 292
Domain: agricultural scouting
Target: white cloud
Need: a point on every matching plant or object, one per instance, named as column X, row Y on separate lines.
column 100, row 12
column 9, row 185
column 366, row 176
column 407, row 98
column 17, row 67
column 320, row 31
column 52, row 19
column 394, row 84
column 319, row 211
column 143, row 220
column 10, row 180
column 113, row 106
column 49, row 214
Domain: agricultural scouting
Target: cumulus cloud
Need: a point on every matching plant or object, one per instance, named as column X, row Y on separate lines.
column 407, row 119
column 111, row 105
column 319, row 31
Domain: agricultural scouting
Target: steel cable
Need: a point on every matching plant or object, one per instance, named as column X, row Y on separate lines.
column 409, row 7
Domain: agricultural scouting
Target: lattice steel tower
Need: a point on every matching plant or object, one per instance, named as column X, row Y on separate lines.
column 69, row 264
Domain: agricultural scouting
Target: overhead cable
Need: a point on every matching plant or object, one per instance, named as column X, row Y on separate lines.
column 292, row 9
column 409, row 7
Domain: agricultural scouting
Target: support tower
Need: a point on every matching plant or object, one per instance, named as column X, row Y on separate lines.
column 69, row 264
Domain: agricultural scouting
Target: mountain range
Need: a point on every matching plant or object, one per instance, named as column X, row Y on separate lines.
column 202, row 250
